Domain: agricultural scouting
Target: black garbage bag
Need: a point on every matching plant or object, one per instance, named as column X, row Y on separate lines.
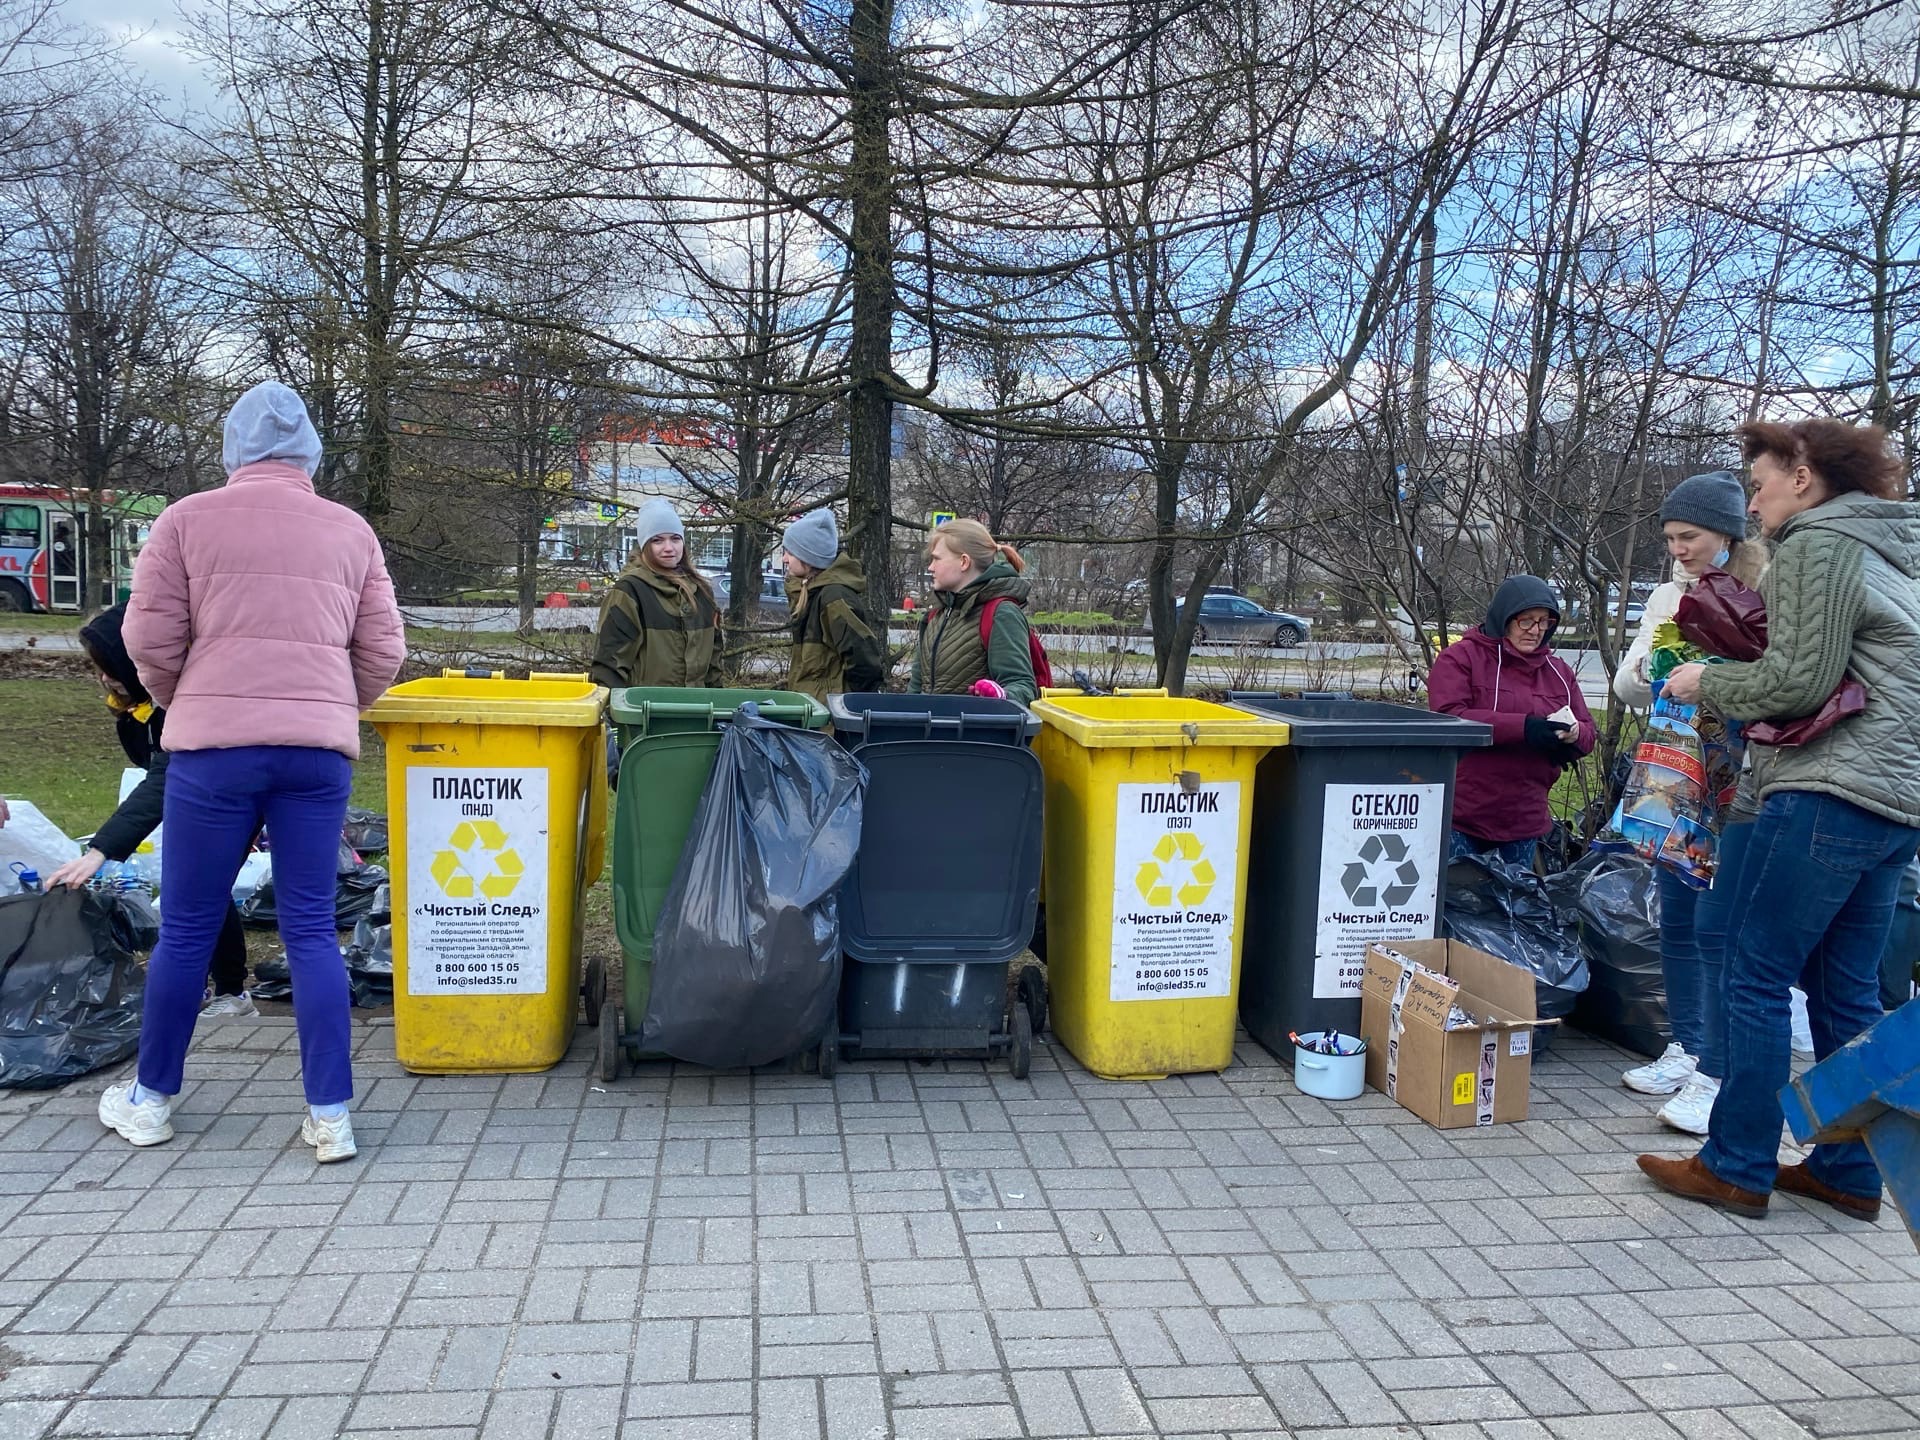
column 354, row 892
column 365, row 831
column 140, row 918
column 369, row 981
column 1619, row 913
column 370, row 961
column 746, row 951
column 70, row 989
column 1509, row 911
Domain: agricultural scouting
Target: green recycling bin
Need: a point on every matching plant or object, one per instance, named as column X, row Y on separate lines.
column 667, row 739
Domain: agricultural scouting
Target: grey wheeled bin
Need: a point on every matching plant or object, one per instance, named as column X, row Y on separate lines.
column 1349, row 847
column 944, row 888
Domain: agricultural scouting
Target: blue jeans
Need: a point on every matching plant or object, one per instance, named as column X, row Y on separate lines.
column 1817, row 890
column 1903, row 944
column 1515, row 852
column 1682, row 963
column 1696, row 984
column 216, row 802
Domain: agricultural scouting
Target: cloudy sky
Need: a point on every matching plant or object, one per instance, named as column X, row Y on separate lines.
column 147, row 29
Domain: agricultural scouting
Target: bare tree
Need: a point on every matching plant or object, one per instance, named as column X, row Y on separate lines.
column 367, row 145
column 111, row 324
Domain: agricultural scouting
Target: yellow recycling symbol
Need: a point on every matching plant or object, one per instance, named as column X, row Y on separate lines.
column 1157, row 887
column 477, row 861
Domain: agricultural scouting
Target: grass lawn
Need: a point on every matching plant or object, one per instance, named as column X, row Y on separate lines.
column 62, row 753
column 38, row 624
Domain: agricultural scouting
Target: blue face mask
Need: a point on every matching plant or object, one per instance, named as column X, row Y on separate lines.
column 1720, row 560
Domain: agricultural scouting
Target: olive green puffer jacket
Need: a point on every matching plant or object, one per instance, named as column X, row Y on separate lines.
column 951, row 657
column 1843, row 597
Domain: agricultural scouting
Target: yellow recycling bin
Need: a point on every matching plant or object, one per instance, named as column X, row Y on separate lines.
column 497, row 791
column 1148, row 811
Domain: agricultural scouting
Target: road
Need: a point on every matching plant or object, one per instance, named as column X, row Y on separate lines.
column 64, row 642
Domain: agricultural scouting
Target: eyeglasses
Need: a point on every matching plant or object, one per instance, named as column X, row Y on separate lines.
column 1542, row 623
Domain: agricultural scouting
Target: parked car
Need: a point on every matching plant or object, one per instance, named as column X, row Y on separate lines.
column 772, row 608
column 1236, row 618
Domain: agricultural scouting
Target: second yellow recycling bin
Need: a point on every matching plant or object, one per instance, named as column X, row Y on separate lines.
column 1149, row 807
column 497, row 791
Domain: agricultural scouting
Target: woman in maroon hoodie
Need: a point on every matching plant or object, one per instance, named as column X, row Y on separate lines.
column 1506, row 675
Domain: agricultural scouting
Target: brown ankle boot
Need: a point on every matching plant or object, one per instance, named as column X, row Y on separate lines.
column 1691, row 1180
column 1798, row 1180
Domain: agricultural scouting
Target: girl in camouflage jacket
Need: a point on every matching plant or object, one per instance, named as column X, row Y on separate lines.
column 834, row 649
column 659, row 624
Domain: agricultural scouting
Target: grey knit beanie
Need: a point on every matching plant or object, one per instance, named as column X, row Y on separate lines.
column 657, row 517
column 1715, row 501
column 813, row 539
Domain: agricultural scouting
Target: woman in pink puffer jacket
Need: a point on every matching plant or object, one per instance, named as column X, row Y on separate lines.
column 263, row 622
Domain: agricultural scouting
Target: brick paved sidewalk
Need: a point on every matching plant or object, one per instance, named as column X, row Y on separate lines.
column 911, row 1252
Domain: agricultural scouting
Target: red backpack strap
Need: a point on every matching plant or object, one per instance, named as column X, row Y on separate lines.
column 986, row 623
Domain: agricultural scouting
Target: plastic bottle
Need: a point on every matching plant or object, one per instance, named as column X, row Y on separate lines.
column 29, row 880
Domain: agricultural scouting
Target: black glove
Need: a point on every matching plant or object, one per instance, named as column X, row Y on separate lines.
column 1568, row 753
column 1544, row 735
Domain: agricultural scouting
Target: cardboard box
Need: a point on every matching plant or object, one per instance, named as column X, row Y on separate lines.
column 1449, row 1078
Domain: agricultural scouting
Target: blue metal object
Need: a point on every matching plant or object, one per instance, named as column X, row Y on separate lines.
column 1869, row 1090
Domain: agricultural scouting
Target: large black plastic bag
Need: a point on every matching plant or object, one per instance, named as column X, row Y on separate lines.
column 1508, row 911
column 1620, row 934
column 355, row 886
column 746, row 951
column 70, row 990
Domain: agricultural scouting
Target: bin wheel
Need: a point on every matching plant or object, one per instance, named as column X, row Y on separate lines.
column 593, row 989
column 1020, row 1056
column 1031, row 993
column 829, row 1057
column 611, row 1024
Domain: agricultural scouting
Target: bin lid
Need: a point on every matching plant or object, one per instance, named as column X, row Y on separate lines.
column 1370, row 723
column 863, row 718
column 665, row 709
column 1113, row 721
column 491, row 700
column 949, row 860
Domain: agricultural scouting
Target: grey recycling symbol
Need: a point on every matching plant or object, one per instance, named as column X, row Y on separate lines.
column 1381, row 853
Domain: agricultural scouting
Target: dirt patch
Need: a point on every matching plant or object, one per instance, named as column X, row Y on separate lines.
column 44, row 665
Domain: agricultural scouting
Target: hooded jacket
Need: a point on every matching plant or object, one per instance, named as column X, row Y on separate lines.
column 834, row 649
column 139, row 730
column 656, row 631
column 1843, row 597
column 951, row 658
column 1501, row 793
column 263, row 615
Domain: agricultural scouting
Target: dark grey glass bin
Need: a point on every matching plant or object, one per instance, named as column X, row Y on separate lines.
column 941, row 898
column 1291, row 940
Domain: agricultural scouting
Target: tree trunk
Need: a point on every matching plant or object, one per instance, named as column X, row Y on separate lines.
column 870, row 347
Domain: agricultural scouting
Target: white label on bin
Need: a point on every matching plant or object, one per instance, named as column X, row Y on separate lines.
column 1380, row 849
column 476, row 881
column 1176, row 865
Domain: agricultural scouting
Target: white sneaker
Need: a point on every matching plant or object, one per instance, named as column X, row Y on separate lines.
column 148, row 1123
column 331, row 1139
column 1693, row 1106
column 238, row 1007
column 1664, row 1076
